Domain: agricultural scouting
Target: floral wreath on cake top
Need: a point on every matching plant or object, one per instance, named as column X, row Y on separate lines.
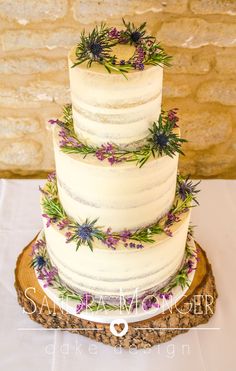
column 49, row 276
column 162, row 140
column 85, row 233
column 96, row 47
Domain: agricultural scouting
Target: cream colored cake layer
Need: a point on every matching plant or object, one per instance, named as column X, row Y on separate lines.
column 122, row 196
column 106, row 272
column 109, row 107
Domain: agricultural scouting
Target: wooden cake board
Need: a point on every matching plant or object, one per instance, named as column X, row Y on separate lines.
column 195, row 308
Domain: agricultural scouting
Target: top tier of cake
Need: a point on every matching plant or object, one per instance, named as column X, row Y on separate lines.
column 112, row 108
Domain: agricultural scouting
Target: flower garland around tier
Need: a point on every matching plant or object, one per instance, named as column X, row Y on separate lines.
column 85, row 233
column 162, row 140
column 97, row 47
column 49, row 275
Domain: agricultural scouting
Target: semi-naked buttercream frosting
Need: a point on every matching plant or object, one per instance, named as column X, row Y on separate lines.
column 122, row 196
column 111, row 108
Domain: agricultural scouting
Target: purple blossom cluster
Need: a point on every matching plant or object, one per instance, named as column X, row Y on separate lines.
column 47, row 275
column 49, row 220
column 190, row 266
column 171, row 219
column 168, row 232
column 114, row 33
column 139, row 58
column 62, row 224
column 68, row 236
column 172, row 116
column 150, row 302
column 37, row 245
column 54, row 122
column 165, row 295
column 112, row 240
column 67, row 140
column 133, row 245
column 52, row 176
column 86, row 300
column 107, row 151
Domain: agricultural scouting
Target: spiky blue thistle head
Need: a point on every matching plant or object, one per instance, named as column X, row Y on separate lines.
column 160, row 140
column 135, row 36
column 85, row 231
column 187, row 187
column 96, row 49
column 40, row 261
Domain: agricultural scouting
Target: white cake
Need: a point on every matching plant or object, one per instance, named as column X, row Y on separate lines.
column 108, row 108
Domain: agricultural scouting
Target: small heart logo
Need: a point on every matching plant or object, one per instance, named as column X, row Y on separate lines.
column 119, row 321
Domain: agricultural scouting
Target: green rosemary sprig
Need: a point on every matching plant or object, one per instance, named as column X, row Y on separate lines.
column 146, row 234
column 53, row 208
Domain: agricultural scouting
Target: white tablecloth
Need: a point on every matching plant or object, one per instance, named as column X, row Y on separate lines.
column 25, row 346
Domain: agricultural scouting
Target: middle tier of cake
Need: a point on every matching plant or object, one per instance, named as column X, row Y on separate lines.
column 123, row 196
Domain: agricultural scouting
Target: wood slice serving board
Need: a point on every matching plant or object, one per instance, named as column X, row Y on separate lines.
column 195, row 308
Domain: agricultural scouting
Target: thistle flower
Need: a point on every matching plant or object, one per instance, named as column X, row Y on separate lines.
column 163, row 139
column 187, row 188
column 134, row 35
column 85, row 233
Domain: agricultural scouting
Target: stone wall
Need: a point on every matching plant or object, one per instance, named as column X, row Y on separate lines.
column 35, row 38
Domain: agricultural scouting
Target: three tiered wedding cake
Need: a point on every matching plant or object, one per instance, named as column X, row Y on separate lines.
column 116, row 214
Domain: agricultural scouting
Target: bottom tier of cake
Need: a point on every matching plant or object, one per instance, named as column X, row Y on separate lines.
column 131, row 308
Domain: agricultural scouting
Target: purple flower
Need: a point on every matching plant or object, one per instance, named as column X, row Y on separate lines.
column 122, row 62
column 114, row 33
column 190, row 265
column 68, row 236
column 165, row 295
column 37, row 245
column 51, row 176
column 171, row 218
column 110, row 240
column 132, row 302
column 49, row 220
column 168, row 232
column 49, row 276
column 53, row 122
column 86, row 299
column 63, row 223
column 139, row 246
column 150, row 302
column 173, row 117
column 126, row 234
column 187, row 187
